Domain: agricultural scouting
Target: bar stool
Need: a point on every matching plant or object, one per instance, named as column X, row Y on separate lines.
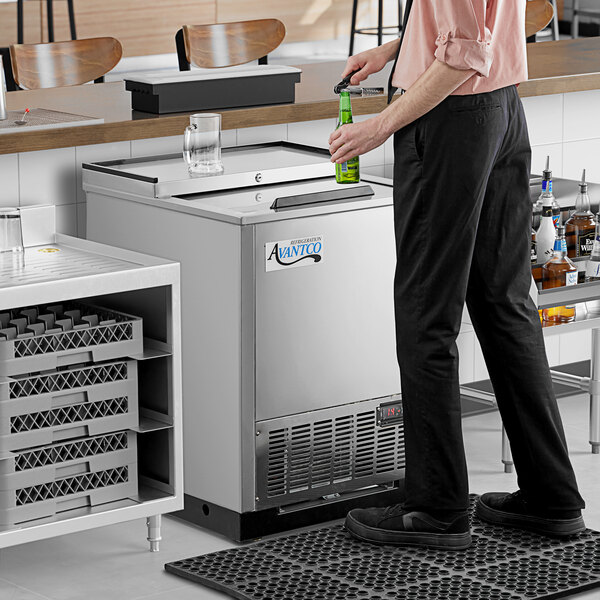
column 378, row 31
column 59, row 64
column 539, row 14
column 226, row 44
column 592, row 13
column 50, row 19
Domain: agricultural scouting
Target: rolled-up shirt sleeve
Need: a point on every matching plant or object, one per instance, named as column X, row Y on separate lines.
column 463, row 41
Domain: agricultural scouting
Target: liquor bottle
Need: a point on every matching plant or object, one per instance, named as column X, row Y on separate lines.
column 557, row 272
column 546, row 234
column 533, row 247
column 547, row 195
column 346, row 172
column 592, row 271
column 581, row 227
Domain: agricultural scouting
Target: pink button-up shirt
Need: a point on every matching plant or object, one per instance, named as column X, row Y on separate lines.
column 485, row 35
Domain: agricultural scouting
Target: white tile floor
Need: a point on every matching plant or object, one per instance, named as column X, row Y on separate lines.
column 113, row 562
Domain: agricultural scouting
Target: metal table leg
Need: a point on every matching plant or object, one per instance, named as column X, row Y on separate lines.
column 353, row 27
column 153, row 524
column 506, row 453
column 20, row 21
column 50, row 16
column 595, row 393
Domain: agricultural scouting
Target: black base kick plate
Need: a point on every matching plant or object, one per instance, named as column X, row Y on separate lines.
column 328, row 564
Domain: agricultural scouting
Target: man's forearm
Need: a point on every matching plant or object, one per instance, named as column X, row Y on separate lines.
column 436, row 83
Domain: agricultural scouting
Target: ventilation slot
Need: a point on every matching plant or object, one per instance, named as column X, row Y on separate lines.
column 332, row 451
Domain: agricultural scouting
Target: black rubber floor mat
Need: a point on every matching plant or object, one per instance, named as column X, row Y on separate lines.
column 327, row 564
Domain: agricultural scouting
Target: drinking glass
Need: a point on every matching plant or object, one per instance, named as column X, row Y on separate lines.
column 202, row 144
column 11, row 237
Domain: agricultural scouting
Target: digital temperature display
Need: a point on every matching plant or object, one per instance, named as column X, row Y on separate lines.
column 389, row 414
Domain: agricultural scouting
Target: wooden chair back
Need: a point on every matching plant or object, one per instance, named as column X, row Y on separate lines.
column 228, row 44
column 58, row 64
column 538, row 14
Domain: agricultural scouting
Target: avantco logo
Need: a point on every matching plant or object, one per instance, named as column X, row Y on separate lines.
column 294, row 253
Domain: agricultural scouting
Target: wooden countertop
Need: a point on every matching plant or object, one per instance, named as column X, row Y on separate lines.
column 554, row 67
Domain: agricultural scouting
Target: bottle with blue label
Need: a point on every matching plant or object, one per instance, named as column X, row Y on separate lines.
column 592, row 271
column 559, row 271
column 545, row 235
column 547, row 196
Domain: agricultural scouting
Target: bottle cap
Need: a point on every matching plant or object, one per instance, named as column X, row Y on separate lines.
column 583, row 186
column 560, row 230
column 547, row 172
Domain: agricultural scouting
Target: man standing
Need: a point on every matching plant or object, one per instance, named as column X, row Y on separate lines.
column 463, row 233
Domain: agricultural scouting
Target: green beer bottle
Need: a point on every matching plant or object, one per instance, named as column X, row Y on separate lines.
column 347, row 172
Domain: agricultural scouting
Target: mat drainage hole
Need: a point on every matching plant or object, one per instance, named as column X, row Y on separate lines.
column 205, row 510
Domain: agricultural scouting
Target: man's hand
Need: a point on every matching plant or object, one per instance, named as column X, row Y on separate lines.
column 353, row 139
column 370, row 61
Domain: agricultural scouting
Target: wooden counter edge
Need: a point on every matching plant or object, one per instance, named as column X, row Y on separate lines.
column 175, row 124
column 244, row 117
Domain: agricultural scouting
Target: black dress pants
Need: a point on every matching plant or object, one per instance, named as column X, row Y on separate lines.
column 462, row 216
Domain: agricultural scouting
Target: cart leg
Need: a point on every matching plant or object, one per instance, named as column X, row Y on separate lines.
column 506, row 454
column 595, row 393
column 153, row 524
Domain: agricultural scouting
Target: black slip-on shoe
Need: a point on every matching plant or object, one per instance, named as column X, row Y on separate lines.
column 395, row 526
column 513, row 510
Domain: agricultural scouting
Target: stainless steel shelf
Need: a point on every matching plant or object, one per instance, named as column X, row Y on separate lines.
column 62, row 268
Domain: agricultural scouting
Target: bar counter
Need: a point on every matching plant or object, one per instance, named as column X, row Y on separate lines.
column 554, row 68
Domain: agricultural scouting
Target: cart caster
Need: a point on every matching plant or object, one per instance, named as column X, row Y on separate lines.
column 153, row 524
column 508, row 467
column 595, row 448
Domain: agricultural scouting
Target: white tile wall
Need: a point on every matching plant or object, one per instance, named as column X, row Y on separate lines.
column 66, row 219
column 575, row 346
column 538, row 158
column 48, row 177
column 9, row 176
column 582, row 155
column 311, row 133
column 544, row 118
column 553, row 349
column 98, row 152
column 582, row 115
column 81, row 219
column 466, row 353
column 260, row 135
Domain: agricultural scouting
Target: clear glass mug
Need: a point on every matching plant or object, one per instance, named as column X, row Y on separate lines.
column 202, row 144
column 11, row 238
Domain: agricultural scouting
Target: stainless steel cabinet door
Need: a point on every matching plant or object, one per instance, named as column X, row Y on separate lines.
column 325, row 327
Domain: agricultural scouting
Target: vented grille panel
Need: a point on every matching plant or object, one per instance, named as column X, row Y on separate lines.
column 72, row 485
column 69, row 414
column 68, row 380
column 61, row 453
column 309, row 456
